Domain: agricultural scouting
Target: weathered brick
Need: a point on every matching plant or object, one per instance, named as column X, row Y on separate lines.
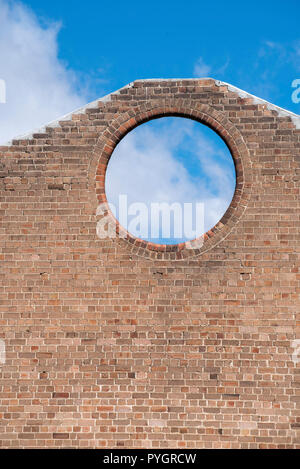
column 124, row 344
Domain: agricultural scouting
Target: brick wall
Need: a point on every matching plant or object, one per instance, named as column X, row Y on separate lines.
column 115, row 343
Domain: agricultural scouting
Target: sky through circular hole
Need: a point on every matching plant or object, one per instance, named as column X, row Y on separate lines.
column 170, row 180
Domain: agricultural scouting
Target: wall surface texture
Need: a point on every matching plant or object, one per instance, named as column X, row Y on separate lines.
column 114, row 343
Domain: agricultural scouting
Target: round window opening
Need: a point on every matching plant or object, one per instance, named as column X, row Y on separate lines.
column 170, row 180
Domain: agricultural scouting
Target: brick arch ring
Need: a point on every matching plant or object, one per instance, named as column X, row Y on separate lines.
column 203, row 113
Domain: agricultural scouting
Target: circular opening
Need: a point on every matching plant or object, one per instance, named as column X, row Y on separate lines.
column 170, row 180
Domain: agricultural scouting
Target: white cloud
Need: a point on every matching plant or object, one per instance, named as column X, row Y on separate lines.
column 201, row 69
column 39, row 87
column 277, row 56
column 221, row 70
column 274, row 62
column 147, row 167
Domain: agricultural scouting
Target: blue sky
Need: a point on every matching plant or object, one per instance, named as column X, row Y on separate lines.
column 71, row 52
column 171, row 160
column 253, row 45
column 58, row 55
